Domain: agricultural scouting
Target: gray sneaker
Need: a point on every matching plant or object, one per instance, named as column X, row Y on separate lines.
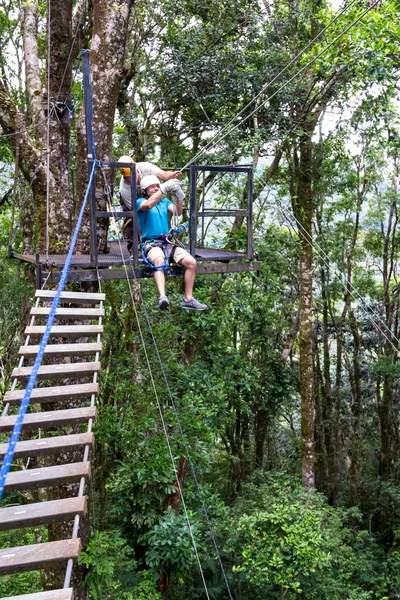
column 193, row 304
column 163, row 303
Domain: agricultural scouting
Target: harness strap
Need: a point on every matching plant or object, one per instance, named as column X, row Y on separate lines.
column 160, row 243
column 126, row 223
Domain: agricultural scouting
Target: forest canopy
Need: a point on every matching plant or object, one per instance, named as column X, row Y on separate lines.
column 279, row 404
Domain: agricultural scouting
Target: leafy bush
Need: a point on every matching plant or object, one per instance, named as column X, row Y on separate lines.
column 288, row 542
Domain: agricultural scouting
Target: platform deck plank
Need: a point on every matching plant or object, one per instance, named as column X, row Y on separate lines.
column 52, row 418
column 29, row 479
column 51, row 445
column 42, row 513
column 52, row 595
column 37, row 556
column 62, row 370
column 73, row 297
column 54, row 393
column 69, row 313
column 65, row 330
column 53, row 350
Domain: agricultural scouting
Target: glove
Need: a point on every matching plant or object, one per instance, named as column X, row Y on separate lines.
column 173, row 185
column 169, row 186
column 178, row 193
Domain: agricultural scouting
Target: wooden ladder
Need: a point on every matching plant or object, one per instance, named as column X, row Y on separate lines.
column 38, row 556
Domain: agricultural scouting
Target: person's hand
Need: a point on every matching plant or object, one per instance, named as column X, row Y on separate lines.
column 177, row 175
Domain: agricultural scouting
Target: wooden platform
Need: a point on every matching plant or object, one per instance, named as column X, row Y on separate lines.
column 209, row 261
column 76, row 446
column 113, row 257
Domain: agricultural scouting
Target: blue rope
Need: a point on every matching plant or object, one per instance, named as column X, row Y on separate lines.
column 5, row 467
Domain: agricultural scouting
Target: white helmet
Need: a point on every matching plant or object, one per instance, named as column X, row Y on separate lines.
column 149, row 180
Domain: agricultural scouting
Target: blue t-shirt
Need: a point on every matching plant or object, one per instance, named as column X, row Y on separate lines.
column 153, row 222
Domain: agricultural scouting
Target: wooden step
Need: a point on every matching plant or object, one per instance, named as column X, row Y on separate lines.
column 69, row 313
column 52, row 595
column 65, row 330
column 61, row 349
column 52, row 394
column 37, row 556
column 29, row 479
column 51, row 445
column 42, row 513
column 61, row 370
column 53, row 418
column 72, row 297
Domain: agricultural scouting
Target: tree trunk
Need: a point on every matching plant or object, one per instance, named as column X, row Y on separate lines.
column 60, row 205
column 303, row 209
column 110, row 27
column 355, row 382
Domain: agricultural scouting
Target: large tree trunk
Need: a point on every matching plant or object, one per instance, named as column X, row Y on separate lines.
column 60, row 206
column 355, row 381
column 49, row 187
column 110, row 27
column 302, row 200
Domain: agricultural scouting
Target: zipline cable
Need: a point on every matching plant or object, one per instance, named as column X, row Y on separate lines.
column 355, row 294
column 176, row 413
column 5, row 467
column 313, row 243
column 219, row 137
column 161, row 413
column 329, row 264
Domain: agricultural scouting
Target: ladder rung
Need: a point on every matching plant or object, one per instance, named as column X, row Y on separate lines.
column 42, row 513
column 61, row 349
column 52, row 595
column 29, row 479
column 59, row 370
column 52, row 394
column 71, row 296
column 65, row 330
column 50, row 445
column 37, row 556
column 53, row 418
column 69, row 313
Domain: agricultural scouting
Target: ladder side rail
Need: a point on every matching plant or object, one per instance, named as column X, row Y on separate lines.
column 21, row 361
column 82, row 483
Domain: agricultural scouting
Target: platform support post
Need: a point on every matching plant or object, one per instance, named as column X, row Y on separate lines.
column 193, row 212
column 39, row 274
column 250, row 248
column 91, row 152
column 135, row 230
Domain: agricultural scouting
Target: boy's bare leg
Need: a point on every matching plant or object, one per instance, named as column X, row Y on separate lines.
column 190, row 265
column 159, row 276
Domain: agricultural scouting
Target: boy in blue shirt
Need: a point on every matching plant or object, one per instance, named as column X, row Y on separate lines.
column 153, row 212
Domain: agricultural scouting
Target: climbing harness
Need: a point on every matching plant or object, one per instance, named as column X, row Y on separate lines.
column 163, row 242
column 147, row 246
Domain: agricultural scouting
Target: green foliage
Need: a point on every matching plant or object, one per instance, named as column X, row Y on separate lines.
column 146, row 588
column 111, row 567
column 288, row 542
column 170, row 543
